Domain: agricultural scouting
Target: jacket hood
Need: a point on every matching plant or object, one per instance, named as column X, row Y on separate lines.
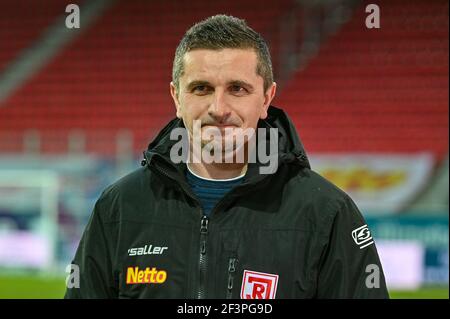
column 290, row 148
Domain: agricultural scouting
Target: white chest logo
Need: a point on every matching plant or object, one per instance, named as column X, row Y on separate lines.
column 146, row 250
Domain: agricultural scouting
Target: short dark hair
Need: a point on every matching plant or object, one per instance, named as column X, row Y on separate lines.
column 221, row 32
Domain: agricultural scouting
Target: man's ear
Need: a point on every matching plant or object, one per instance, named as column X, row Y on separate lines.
column 268, row 97
column 174, row 93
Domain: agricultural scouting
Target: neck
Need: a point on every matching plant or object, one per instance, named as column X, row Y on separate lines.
column 218, row 170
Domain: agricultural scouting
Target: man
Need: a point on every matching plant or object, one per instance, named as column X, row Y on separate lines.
column 226, row 228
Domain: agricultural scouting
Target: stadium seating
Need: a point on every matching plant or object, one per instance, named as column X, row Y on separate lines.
column 367, row 90
column 21, row 24
column 116, row 74
column 377, row 90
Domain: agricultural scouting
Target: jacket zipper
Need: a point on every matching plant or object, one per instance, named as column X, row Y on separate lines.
column 202, row 264
column 231, row 271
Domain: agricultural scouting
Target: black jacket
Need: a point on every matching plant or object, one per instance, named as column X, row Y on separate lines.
column 291, row 234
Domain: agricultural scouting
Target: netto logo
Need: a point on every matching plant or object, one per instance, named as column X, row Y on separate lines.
column 147, row 276
column 362, row 236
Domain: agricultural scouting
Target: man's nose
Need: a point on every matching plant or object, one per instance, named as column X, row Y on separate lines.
column 219, row 109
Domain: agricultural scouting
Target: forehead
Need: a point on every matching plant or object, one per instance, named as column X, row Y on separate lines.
column 224, row 64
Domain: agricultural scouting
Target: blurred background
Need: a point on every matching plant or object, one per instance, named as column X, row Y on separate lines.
column 78, row 106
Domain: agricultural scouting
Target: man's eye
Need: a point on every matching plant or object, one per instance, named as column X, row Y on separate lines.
column 237, row 89
column 200, row 89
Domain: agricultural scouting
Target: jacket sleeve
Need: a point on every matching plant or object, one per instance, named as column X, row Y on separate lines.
column 350, row 266
column 93, row 262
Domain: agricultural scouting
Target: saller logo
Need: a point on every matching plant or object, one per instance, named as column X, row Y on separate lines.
column 147, row 276
column 258, row 285
column 146, row 250
column 362, row 236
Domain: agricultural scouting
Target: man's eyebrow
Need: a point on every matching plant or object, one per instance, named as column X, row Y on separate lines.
column 242, row 83
column 191, row 85
column 195, row 83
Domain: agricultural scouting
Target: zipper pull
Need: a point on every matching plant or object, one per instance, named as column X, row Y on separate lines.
column 203, row 233
column 204, row 225
column 232, row 265
column 203, row 248
column 231, row 269
column 230, row 287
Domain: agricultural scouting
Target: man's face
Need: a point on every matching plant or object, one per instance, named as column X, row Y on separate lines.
column 221, row 89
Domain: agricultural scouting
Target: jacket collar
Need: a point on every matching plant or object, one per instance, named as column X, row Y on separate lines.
column 290, row 148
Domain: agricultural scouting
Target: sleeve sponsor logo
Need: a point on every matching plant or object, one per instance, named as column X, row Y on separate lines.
column 147, row 276
column 362, row 236
column 258, row 285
